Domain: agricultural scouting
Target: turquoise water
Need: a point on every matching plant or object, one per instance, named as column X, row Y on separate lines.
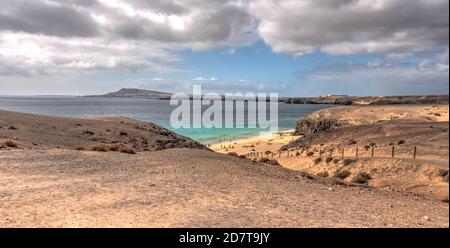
column 156, row 111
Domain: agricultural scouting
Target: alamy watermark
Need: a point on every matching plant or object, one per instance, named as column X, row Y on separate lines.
column 231, row 110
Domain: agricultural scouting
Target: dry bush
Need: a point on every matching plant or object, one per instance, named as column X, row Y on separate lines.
column 352, row 142
column 348, row 161
column 342, row 174
column 11, row 144
column 336, row 160
column 361, row 178
column 127, row 149
column 78, row 148
column 120, row 147
column 306, row 175
column 98, row 148
column 323, row 174
column 317, row 160
column 12, row 128
column 309, row 153
column 233, row 154
column 269, row 161
column 8, row 144
column 328, row 160
column 123, row 133
column 401, row 142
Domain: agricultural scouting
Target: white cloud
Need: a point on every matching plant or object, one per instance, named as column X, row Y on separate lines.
column 352, row 26
column 47, row 36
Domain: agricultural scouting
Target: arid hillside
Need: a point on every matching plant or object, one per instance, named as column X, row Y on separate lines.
column 116, row 133
column 401, row 147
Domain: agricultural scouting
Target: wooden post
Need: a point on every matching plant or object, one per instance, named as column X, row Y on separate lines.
column 393, row 152
column 373, row 150
column 356, row 155
column 415, row 152
column 342, row 151
column 331, row 152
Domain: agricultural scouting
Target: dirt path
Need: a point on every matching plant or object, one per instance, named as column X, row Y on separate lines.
column 185, row 187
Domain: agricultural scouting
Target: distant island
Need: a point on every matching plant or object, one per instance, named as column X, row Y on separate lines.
column 330, row 99
column 131, row 92
column 369, row 100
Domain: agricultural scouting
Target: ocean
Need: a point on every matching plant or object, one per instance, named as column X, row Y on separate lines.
column 152, row 110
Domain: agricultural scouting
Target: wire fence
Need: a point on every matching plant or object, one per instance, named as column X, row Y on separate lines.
column 411, row 152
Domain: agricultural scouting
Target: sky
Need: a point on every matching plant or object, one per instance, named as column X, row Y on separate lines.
column 290, row 47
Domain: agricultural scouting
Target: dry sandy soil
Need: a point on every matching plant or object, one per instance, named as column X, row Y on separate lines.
column 44, row 182
column 186, row 187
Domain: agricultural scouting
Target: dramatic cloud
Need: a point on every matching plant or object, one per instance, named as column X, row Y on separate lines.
column 352, row 26
column 61, row 37
column 47, row 36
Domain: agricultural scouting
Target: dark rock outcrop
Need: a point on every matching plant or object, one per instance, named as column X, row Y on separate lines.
column 308, row 126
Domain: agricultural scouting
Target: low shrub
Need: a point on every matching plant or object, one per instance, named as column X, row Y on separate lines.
column 306, row 175
column 348, row 161
column 328, row 160
column 233, row 154
column 317, row 160
column 98, row 148
column 11, row 144
column 269, row 161
column 361, row 178
column 309, row 153
column 342, row 174
column 323, row 174
column 401, row 142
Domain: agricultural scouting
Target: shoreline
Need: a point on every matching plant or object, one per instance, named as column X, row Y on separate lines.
column 246, row 137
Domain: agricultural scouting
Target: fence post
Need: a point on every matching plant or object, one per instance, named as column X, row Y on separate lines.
column 331, row 152
column 343, row 152
column 373, row 151
column 320, row 152
column 356, row 155
column 393, row 152
column 415, row 152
